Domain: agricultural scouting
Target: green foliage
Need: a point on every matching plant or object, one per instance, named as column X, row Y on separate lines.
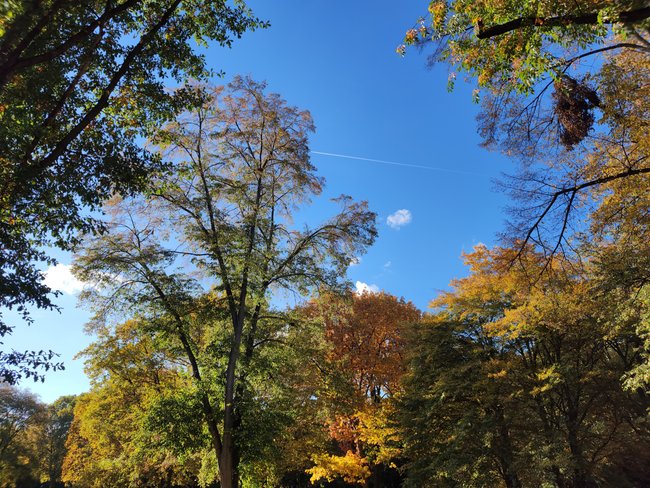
column 80, row 84
column 449, row 412
column 174, row 419
column 32, row 438
column 109, row 445
column 52, row 438
column 20, row 414
column 143, row 419
column 528, row 367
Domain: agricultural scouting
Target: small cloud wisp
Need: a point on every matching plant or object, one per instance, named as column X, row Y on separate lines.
column 399, row 219
column 361, row 288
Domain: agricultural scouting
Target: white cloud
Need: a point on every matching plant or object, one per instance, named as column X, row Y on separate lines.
column 361, row 287
column 399, row 218
column 388, row 264
column 60, row 278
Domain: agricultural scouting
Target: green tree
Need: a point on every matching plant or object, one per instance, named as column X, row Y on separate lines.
column 455, row 422
column 109, row 443
column 52, row 437
column 141, row 425
column 20, row 414
column 80, row 83
column 32, row 438
column 241, row 168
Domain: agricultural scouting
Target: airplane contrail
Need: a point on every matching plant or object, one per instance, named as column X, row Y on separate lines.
column 395, row 163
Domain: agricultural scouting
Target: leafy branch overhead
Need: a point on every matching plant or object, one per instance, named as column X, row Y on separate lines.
column 517, row 43
column 80, row 82
column 542, row 105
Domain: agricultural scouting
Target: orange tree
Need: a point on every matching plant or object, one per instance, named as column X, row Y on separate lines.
column 364, row 345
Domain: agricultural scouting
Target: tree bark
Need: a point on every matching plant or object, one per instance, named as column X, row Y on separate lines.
column 632, row 16
column 505, row 453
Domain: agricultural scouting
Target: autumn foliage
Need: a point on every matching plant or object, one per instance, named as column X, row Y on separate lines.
column 363, row 332
column 530, row 370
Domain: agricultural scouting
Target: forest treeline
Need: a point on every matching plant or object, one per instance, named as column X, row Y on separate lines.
column 506, row 384
column 229, row 349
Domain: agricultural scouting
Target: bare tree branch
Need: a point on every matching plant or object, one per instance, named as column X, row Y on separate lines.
column 571, row 191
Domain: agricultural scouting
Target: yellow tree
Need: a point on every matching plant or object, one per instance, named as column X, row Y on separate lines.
column 21, row 416
column 542, row 367
column 110, row 442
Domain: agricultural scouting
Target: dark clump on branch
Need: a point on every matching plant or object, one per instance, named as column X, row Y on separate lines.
column 574, row 102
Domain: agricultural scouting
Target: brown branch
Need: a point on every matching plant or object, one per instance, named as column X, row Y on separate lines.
column 631, row 16
column 565, row 223
column 213, row 235
column 573, row 190
column 206, row 406
column 38, row 167
column 83, row 69
column 620, row 45
column 15, row 63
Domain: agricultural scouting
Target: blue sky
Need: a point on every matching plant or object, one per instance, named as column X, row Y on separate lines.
column 337, row 59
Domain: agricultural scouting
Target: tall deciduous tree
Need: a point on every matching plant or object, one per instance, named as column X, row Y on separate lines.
column 241, row 169
column 20, row 415
column 52, row 438
column 80, row 82
column 365, row 331
column 455, row 421
column 32, row 438
column 109, row 442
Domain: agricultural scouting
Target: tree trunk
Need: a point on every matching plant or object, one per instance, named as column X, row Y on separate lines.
column 548, row 434
column 228, row 461
column 505, row 451
column 227, row 469
column 580, row 477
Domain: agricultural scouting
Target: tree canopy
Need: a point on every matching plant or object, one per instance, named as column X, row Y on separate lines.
column 80, row 84
column 241, row 167
column 512, row 383
column 541, row 102
column 229, row 348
